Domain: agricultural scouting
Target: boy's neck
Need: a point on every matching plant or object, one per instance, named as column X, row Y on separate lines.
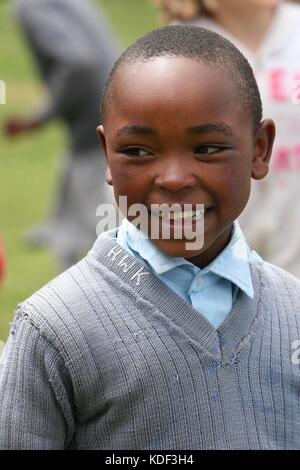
column 249, row 26
column 211, row 253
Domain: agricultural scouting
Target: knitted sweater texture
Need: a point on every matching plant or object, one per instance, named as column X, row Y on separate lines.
column 106, row 356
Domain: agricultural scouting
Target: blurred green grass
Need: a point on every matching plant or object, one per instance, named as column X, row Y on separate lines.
column 29, row 165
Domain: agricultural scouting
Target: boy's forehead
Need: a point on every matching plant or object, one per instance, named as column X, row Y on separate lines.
column 178, row 84
column 168, row 79
column 169, row 71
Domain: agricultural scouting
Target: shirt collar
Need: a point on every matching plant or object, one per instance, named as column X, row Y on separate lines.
column 231, row 264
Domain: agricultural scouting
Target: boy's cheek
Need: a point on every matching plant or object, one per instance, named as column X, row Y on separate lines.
column 122, row 172
column 236, row 179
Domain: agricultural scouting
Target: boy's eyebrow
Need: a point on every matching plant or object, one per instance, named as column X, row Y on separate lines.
column 208, row 127
column 134, row 129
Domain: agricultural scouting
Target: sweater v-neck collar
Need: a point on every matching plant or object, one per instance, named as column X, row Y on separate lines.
column 222, row 344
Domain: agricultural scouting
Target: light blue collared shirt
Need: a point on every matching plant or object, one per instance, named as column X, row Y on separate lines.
column 212, row 290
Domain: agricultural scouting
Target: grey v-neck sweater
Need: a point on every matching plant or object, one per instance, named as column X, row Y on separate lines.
column 106, row 356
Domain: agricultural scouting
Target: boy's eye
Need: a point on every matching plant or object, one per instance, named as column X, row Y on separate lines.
column 207, row 149
column 136, row 152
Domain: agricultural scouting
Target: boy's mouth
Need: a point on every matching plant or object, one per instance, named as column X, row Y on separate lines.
column 172, row 217
column 176, row 215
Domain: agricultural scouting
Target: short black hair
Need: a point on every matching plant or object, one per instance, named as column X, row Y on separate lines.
column 199, row 44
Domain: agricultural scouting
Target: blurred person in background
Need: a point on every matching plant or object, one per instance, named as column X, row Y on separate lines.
column 74, row 50
column 268, row 34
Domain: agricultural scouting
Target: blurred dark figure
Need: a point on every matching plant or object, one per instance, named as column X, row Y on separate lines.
column 74, row 50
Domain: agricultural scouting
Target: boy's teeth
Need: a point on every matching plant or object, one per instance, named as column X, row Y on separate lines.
column 181, row 214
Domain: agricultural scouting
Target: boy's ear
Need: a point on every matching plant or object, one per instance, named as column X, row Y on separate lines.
column 101, row 135
column 263, row 149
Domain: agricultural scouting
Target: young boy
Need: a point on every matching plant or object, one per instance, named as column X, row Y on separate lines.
column 154, row 344
column 267, row 33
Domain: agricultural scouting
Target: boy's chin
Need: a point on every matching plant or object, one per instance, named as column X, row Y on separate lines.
column 179, row 248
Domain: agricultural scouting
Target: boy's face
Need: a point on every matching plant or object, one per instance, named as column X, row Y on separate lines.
column 175, row 131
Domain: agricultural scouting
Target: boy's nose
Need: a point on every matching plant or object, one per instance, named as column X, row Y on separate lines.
column 174, row 177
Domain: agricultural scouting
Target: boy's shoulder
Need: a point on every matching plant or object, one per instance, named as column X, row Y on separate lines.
column 276, row 274
column 279, row 284
column 72, row 299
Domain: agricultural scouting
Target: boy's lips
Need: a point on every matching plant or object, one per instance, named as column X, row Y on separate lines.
column 168, row 215
column 178, row 208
